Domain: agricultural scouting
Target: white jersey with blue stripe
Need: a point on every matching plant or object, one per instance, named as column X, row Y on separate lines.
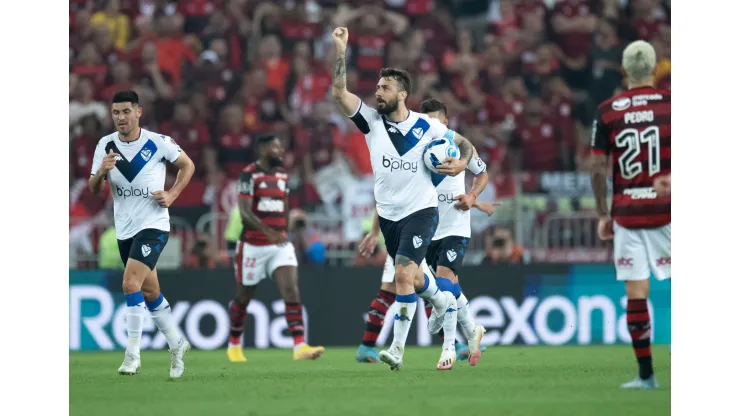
column 138, row 172
column 403, row 184
column 452, row 221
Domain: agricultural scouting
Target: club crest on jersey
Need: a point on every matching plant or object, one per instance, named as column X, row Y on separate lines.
column 451, row 255
column 146, row 250
column 417, row 241
column 146, row 154
column 418, row 132
column 621, row 104
column 263, row 185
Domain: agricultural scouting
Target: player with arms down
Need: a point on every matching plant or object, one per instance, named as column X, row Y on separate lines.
column 634, row 127
column 406, row 200
column 444, row 256
column 132, row 160
column 264, row 249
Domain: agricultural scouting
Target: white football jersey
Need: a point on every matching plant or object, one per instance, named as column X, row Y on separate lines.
column 403, row 184
column 453, row 221
column 138, row 172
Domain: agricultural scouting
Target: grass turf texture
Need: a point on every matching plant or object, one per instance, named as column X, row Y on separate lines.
column 507, row 381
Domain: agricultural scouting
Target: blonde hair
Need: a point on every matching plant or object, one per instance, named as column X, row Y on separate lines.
column 638, row 61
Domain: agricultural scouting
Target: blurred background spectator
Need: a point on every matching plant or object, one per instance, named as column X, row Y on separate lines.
column 521, row 79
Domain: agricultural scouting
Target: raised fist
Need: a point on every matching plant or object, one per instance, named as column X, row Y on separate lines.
column 341, row 35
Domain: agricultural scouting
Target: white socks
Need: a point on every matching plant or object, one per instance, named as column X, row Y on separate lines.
column 467, row 324
column 135, row 313
column 449, row 328
column 403, row 319
column 431, row 292
column 162, row 317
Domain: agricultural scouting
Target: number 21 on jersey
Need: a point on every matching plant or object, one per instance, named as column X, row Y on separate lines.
column 632, row 140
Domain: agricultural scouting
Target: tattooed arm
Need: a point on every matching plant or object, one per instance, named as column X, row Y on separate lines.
column 348, row 101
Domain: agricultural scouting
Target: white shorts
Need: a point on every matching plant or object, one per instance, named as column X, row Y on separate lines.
column 637, row 252
column 256, row 263
column 389, row 270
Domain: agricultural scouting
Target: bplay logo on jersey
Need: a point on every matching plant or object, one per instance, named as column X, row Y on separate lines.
column 131, row 192
column 396, row 164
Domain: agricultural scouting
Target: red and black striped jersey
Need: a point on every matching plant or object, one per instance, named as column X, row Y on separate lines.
column 268, row 192
column 635, row 128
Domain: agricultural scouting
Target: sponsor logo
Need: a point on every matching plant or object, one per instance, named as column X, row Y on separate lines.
column 641, row 193
column 271, row 205
column 395, row 164
column 146, row 250
column 640, row 100
column 448, row 198
column 621, row 104
column 624, row 262
column 663, row 261
column 98, row 323
column 246, row 187
column 263, row 185
column 451, row 255
column 132, row 192
column 417, row 241
column 146, row 154
column 639, row 117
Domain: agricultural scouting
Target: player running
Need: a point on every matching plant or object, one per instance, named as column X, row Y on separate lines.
column 635, row 128
column 264, row 249
column 444, row 256
column 132, row 160
column 406, row 200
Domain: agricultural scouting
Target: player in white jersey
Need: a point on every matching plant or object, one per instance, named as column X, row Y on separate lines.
column 406, row 200
column 445, row 254
column 133, row 160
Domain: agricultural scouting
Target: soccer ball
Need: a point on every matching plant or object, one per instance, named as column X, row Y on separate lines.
column 437, row 150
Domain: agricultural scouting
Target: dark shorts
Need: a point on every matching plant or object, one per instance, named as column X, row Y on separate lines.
column 145, row 246
column 412, row 235
column 447, row 252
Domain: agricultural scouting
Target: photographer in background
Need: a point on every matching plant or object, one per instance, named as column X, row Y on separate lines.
column 500, row 249
column 308, row 248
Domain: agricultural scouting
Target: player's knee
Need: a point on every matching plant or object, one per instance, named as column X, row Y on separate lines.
column 388, row 287
column 637, row 289
column 404, row 275
column 132, row 283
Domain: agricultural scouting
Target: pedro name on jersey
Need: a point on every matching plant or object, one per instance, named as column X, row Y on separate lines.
column 139, row 171
column 268, row 192
column 402, row 183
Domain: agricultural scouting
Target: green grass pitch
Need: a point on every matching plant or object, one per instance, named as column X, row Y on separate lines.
column 507, row 381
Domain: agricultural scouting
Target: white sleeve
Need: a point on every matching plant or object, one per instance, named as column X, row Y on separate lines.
column 363, row 117
column 170, row 149
column 476, row 165
column 438, row 130
column 97, row 158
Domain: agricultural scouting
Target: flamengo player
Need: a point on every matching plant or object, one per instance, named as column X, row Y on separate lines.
column 133, row 162
column 635, row 128
column 264, row 249
column 444, row 256
column 406, row 200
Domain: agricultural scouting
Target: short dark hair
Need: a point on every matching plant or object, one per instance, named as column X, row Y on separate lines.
column 265, row 138
column 402, row 77
column 126, row 97
column 432, row 105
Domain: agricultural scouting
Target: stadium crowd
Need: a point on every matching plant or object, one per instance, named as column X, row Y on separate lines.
column 521, row 79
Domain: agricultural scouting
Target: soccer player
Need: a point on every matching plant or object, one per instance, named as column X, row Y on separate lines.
column 635, row 128
column 132, row 160
column 406, row 200
column 444, row 256
column 264, row 249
